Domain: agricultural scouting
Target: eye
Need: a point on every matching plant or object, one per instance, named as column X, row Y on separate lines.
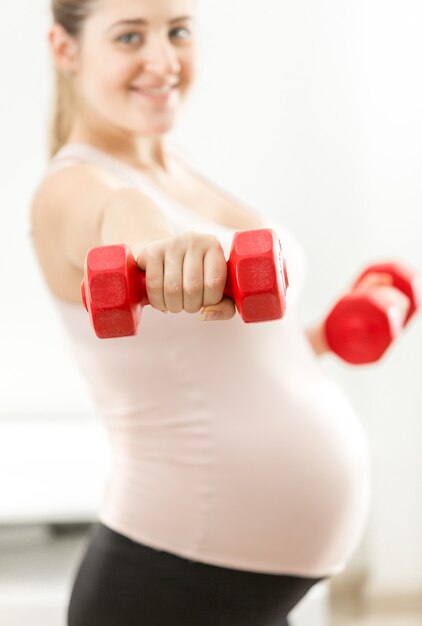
column 129, row 38
column 180, row 33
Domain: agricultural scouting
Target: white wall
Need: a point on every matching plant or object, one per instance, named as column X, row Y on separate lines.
column 309, row 109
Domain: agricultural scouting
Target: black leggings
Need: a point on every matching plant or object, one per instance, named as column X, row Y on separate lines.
column 124, row 583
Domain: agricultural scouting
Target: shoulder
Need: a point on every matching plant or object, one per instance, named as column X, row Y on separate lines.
column 59, row 187
column 69, row 198
column 64, row 222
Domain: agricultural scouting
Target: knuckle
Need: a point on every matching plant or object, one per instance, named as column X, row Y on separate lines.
column 193, row 287
column 172, row 246
column 191, row 238
column 214, row 285
column 154, row 286
column 216, row 280
column 214, row 241
column 172, row 289
column 153, row 249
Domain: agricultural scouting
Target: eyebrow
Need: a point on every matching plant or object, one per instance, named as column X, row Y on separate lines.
column 143, row 22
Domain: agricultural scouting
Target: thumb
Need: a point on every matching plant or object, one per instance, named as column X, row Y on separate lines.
column 224, row 310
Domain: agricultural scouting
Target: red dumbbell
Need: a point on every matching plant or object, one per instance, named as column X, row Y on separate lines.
column 114, row 288
column 361, row 326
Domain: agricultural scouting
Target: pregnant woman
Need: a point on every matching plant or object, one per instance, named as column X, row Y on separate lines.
column 240, row 473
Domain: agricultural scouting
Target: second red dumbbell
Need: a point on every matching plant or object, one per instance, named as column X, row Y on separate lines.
column 361, row 327
column 114, row 288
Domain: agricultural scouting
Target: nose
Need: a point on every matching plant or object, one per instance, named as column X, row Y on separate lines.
column 161, row 57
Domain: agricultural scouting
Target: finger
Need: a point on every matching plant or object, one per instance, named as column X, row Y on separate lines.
column 193, row 280
column 173, row 279
column 215, row 275
column 151, row 260
column 225, row 310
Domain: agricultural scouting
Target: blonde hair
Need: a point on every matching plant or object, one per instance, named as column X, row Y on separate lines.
column 70, row 14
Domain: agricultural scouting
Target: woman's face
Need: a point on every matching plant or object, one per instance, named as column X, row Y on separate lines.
column 136, row 61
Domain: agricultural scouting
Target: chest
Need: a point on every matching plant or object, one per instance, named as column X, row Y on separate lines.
column 205, row 199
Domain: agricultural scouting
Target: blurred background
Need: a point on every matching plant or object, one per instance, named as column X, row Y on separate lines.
column 309, row 110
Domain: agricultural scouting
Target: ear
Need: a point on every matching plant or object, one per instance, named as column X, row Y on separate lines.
column 63, row 48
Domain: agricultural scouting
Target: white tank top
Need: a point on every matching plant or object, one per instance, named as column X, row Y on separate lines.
column 229, row 444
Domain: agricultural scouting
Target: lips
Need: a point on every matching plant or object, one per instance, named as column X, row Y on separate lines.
column 155, row 90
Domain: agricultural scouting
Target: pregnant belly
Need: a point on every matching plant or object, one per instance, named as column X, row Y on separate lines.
column 291, row 485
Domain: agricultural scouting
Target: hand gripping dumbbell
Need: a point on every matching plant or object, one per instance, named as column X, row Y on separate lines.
column 361, row 326
column 114, row 288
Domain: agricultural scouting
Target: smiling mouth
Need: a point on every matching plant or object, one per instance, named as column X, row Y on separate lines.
column 163, row 90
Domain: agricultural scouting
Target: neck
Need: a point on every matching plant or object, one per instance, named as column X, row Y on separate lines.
column 139, row 151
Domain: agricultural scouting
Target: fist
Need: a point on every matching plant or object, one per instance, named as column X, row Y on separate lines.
column 186, row 272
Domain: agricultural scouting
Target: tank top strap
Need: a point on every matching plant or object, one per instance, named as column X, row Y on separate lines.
column 77, row 153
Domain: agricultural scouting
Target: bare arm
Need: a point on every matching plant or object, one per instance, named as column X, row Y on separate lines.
column 81, row 207
column 127, row 216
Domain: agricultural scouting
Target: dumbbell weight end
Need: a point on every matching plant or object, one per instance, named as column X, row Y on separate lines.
column 116, row 294
column 359, row 331
column 254, row 282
